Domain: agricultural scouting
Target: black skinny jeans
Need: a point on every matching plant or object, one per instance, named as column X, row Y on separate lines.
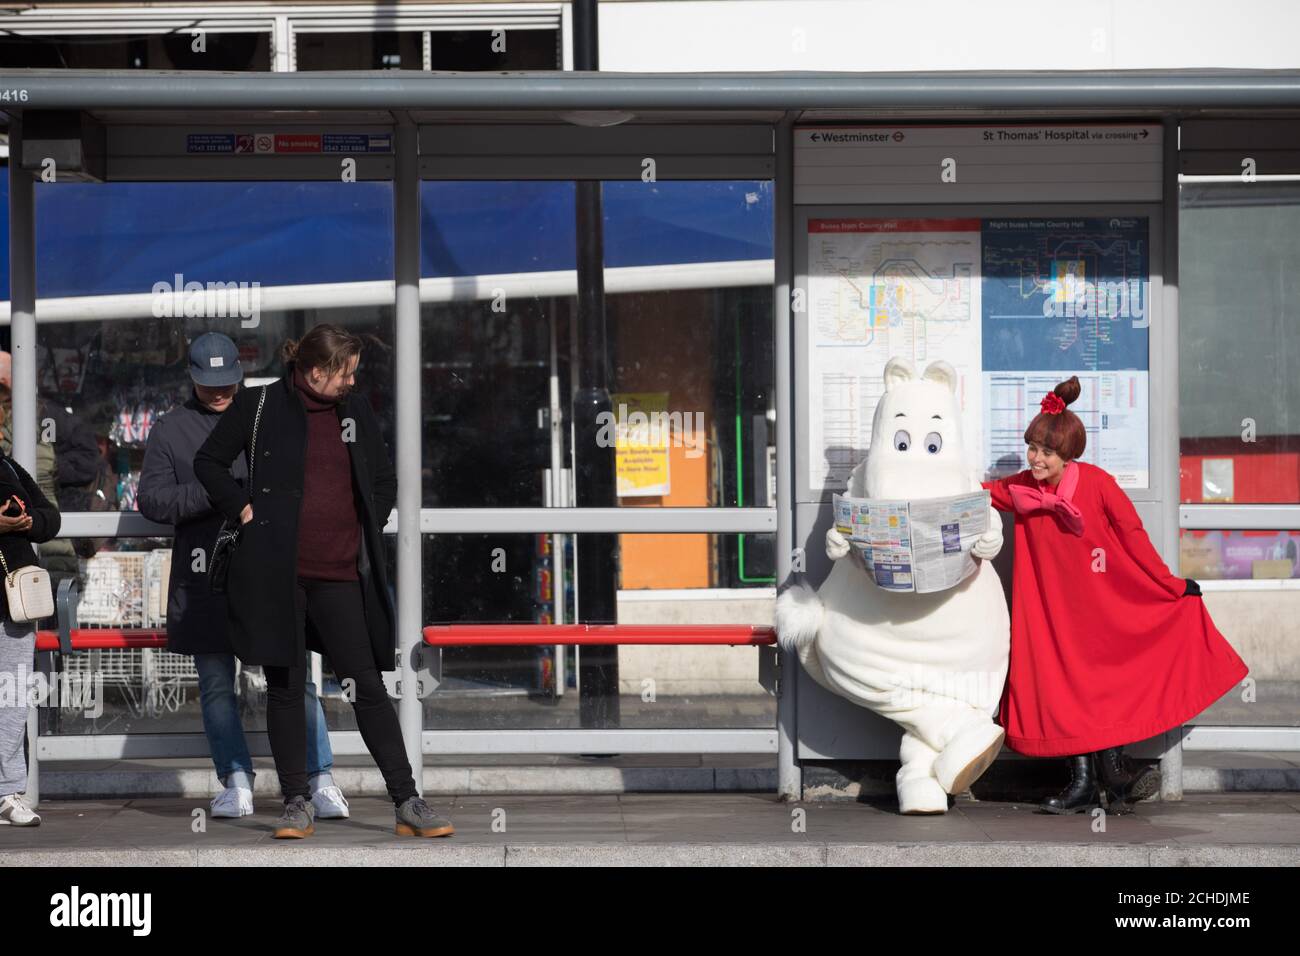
column 335, row 610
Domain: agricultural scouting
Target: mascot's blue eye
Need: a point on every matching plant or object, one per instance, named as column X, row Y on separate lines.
column 902, row 440
column 933, row 442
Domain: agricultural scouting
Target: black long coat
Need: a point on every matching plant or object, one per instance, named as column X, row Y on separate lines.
column 263, row 574
column 169, row 493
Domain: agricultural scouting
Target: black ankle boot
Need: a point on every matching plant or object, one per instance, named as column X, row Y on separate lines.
column 1121, row 787
column 1082, row 792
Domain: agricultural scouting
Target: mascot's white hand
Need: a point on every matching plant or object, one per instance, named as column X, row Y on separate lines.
column 989, row 543
column 837, row 546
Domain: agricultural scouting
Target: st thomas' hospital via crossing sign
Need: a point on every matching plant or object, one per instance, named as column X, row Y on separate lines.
column 1013, row 163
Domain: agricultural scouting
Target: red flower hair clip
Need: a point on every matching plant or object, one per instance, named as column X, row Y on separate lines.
column 1052, row 404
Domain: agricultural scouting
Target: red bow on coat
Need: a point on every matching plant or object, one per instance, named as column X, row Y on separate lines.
column 1026, row 499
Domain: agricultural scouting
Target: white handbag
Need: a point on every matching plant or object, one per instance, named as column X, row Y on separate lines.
column 28, row 592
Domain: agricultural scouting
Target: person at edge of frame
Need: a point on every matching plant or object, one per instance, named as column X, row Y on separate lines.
column 27, row 517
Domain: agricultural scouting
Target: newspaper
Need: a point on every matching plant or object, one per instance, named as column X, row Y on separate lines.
column 921, row 545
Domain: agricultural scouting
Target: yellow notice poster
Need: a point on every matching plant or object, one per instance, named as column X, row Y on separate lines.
column 642, row 438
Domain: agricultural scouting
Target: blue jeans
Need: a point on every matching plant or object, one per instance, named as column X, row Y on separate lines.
column 225, row 733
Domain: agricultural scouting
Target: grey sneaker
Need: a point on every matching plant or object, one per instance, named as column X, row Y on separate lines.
column 416, row 818
column 297, row 821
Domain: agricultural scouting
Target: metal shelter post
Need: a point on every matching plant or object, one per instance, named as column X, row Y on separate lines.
column 789, row 775
column 1171, row 759
column 22, row 345
column 596, row 555
column 406, row 366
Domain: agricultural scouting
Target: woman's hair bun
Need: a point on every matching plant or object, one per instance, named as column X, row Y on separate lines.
column 1068, row 390
column 327, row 347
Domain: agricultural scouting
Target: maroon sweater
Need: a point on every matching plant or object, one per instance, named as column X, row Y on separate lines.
column 329, row 529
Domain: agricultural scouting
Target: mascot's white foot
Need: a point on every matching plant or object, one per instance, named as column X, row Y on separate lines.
column 918, row 791
column 968, row 756
column 921, row 795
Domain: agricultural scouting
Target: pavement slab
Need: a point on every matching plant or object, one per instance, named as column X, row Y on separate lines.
column 670, row 829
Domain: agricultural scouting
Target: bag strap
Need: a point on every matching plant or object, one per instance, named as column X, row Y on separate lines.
column 13, row 471
column 5, row 564
column 252, row 453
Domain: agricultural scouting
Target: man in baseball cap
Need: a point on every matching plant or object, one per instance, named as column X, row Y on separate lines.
column 214, row 362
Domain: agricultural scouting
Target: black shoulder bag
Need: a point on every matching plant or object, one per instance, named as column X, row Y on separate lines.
column 228, row 537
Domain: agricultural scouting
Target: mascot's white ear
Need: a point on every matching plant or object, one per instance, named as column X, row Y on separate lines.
column 898, row 370
column 941, row 372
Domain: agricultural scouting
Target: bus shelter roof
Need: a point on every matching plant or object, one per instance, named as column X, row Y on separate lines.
column 173, row 97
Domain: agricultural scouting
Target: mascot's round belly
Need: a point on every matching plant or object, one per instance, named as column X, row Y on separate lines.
column 875, row 642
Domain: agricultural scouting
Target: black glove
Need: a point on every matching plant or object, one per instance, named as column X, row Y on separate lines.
column 1193, row 589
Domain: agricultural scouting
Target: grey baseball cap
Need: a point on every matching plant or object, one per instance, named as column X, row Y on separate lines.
column 214, row 361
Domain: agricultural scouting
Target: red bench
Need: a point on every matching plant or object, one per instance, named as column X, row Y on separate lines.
column 103, row 638
column 468, row 635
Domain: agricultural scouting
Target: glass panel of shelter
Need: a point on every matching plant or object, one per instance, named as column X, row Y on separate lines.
column 1238, row 337
column 701, row 355
column 120, row 361
column 487, row 388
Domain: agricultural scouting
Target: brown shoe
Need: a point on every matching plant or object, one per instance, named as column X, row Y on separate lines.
column 416, row 818
column 297, row 821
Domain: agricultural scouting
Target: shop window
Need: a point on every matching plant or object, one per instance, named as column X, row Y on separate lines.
column 1239, row 555
column 123, row 585
column 528, row 578
column 1239, row 343
column 182, row 50
column 691, row 358
column 678, row 344
column 380, row 50
column 116, row 376
column 460, row 51
column 118, row 361
column 469, row 50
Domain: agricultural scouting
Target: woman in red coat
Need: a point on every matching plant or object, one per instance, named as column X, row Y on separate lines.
column 1107, row 646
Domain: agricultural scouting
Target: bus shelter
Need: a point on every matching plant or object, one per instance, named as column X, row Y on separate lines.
column 989, row 166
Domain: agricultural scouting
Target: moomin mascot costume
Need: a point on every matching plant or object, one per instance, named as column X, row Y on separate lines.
column 933, row 663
